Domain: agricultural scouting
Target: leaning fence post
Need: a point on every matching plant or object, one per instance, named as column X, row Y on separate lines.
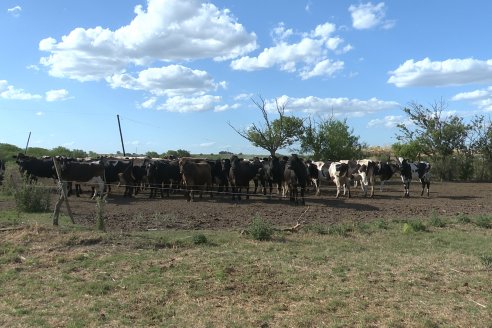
column 62, row 186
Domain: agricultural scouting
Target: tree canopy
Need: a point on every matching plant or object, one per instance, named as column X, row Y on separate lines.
column 330, row 139
column 272, row 135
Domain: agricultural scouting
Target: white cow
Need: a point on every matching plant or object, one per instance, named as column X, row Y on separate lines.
column 363, row 171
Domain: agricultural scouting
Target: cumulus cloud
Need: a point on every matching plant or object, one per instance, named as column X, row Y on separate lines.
column 308, row 57
column 183, row 104
column 369, row 15
column 166, row 81
column 10, row 92
column 441, row 73
column 389, row 121
column 15, row 11
column 482, row 98
column 336, row 106
column 166, row 30
column 57, row 95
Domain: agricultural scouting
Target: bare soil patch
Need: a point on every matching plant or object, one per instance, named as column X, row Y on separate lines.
column 220, row 212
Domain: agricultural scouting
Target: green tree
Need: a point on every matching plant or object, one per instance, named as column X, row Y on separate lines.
column 330, row 139
column 411, row 149
column 78, row 153
column 481, row 146
column 38, row 152
column 61, row 151
column 272, row 135
column 152, row 154
column 8, row 151
column 440, row 135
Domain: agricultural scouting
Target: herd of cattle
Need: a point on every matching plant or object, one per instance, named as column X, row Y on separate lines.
column 290, row 175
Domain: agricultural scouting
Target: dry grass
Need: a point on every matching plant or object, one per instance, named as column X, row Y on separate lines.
column 368, row 277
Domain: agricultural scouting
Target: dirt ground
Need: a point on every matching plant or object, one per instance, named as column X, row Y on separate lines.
column 220, row 212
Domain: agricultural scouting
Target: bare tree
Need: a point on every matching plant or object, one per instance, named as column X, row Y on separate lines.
column 272, row 135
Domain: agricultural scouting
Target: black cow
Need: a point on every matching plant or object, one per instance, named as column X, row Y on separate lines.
column 35, row 168
column 295, row 176
column 240, row 174
column 161, row 175
column 2, row 170
column 91, row 173
column 271, row 172
column 119, row 171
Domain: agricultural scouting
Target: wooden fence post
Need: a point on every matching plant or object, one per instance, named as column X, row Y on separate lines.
column 63, row 195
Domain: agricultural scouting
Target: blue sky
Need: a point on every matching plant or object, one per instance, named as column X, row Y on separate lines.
column 177, row 71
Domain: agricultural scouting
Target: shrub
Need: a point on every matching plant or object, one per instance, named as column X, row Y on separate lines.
column 484, row 222
column 381, row 224
column 259, row 229
column 317, row 228
column 414, row 226
column 32, row 198
column 436, row 221
column 462, row 218
column 486, row 261
column 340, row 230
column 199, row 239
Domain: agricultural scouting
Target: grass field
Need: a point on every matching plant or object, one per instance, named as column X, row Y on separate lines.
column 429, row 273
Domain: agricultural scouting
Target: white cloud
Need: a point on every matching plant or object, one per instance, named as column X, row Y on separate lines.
column 164, row 31
column 472, row 95
column 10, row 92
column 389, row 121
column 166, row 81
column 308, row 57
column 369, row 15
column 442, row 73
column 57, row 95
column 207, row 144
column 149, row 103
column 336, row 106
column 190, row 104
column 39, row 113
column 323, row 68
column 15, row 11
column 482, row 98
column 33, row 67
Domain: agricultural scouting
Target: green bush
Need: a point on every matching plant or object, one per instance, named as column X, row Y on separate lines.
column 414, row 226
column 340, row 229
column 462, row 218
column 199, row 239
column 259, row 229
column 32, row 198
column 486, row 261
column 436, row 221
column 484, row 222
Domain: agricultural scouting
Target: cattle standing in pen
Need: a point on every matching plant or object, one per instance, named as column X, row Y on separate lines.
column 414, row 171
column 240, row 174
column 385, row 172
column 161, row 174
column 295, row 178
column 271, row 173
column 35, row 168
column 2, row 170
column 339, row 173
column 195, row 175
column 90, row 173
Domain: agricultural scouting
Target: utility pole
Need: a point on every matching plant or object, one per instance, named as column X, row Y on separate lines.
column 121, row 135
column 27, row 144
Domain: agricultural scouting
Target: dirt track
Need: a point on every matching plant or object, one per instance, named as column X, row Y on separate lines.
column 141, row 213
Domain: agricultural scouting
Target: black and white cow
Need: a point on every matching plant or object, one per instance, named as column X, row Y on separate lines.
column 385, row 171
column 339, row 173
column 318, row 172
column 414, row 171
